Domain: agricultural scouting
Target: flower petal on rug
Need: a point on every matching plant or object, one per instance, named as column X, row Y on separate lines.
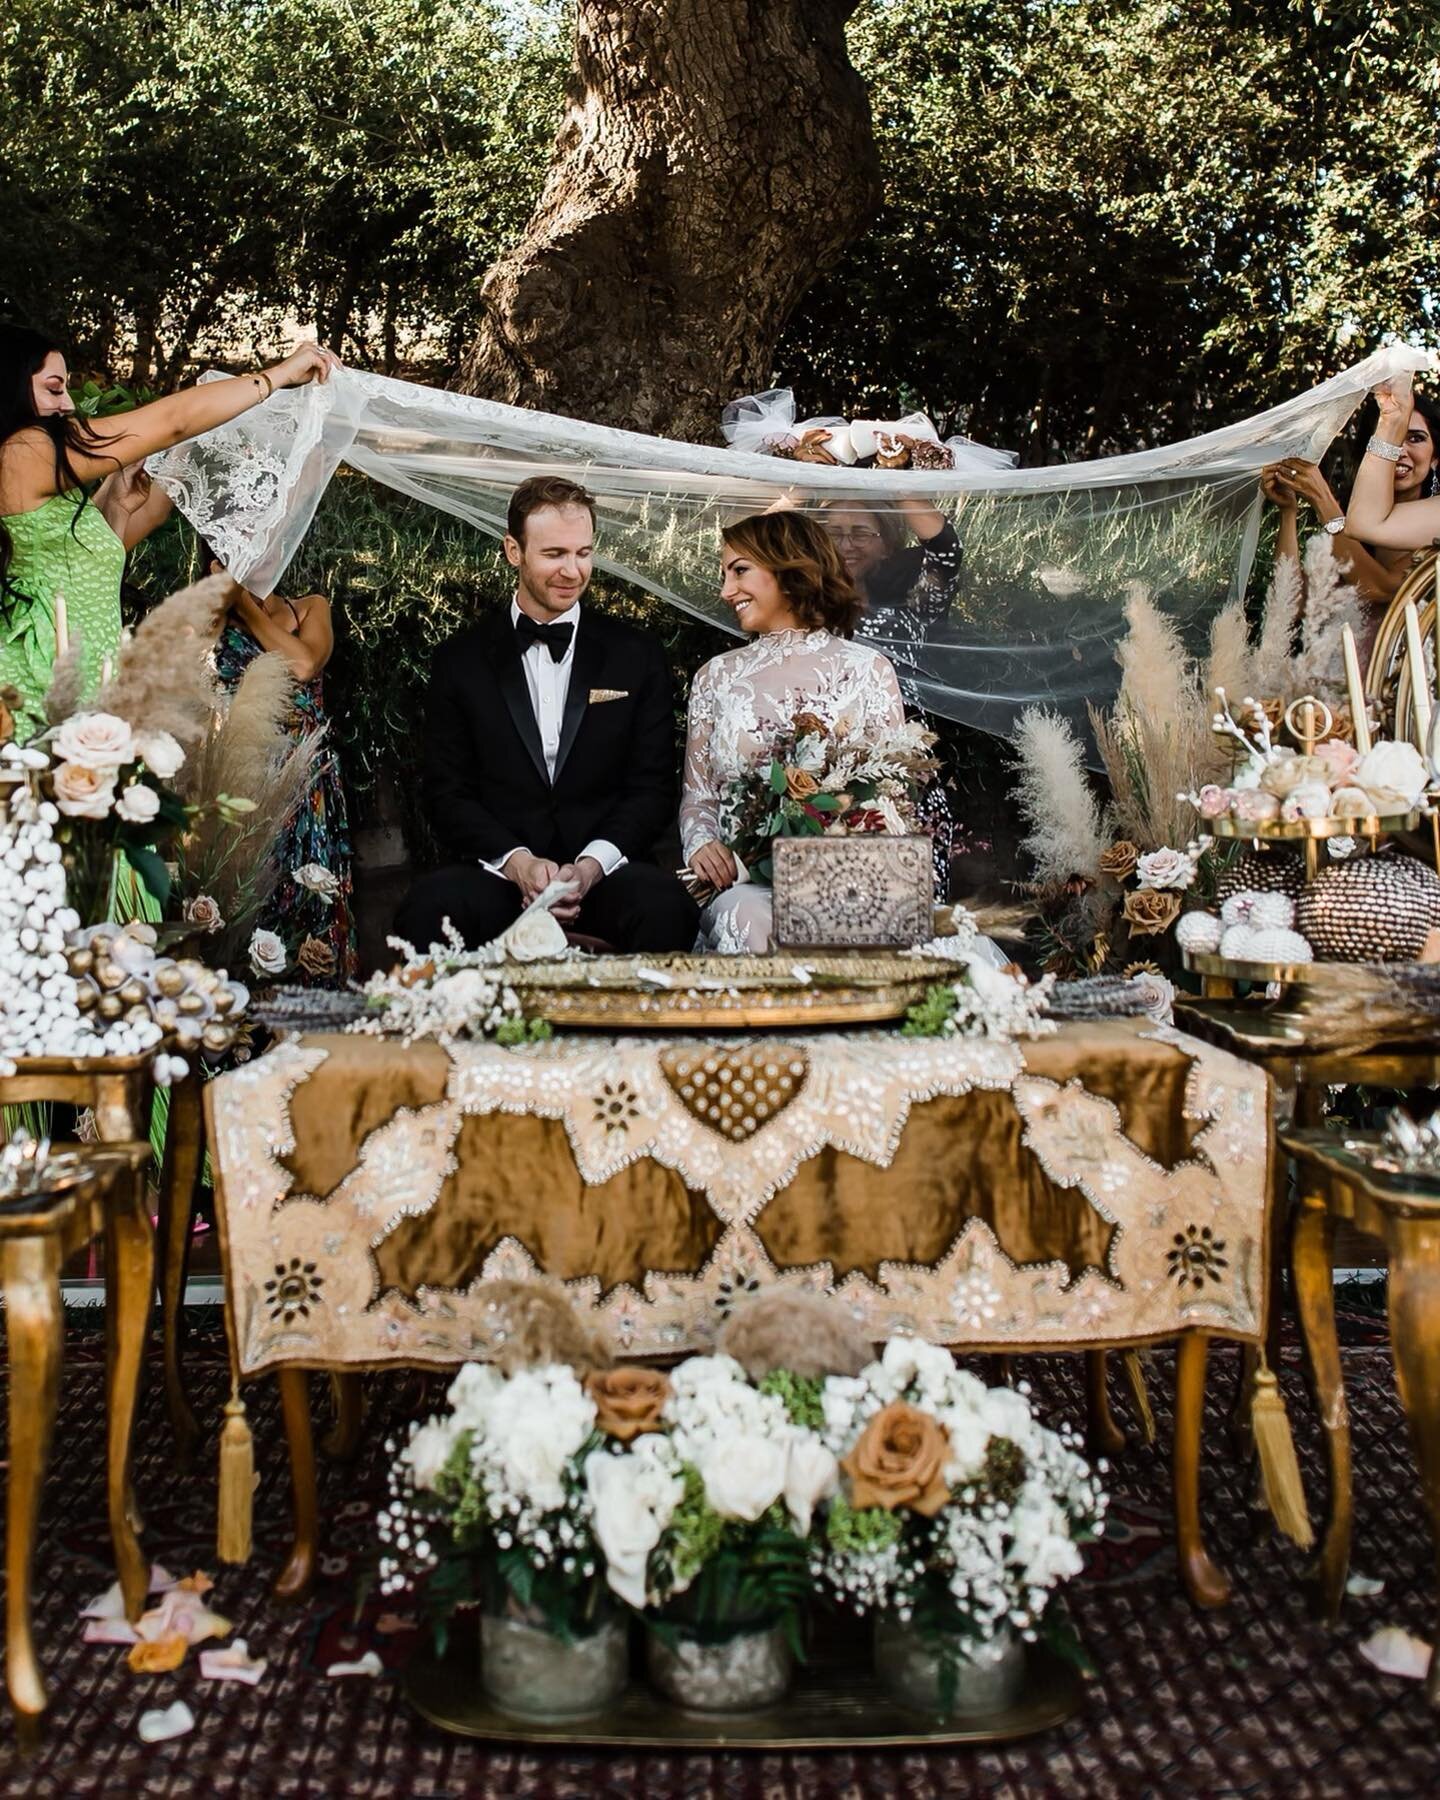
column 166, row 1722
column 233, row 1663
column 109, row 1605
column 110, row 1631
column 369, row 1664
column 156, row 1656
column 161, row 1580
column 181, row 1614
column 198, row 1583
column 1395, row 1651
column 1364, row 1587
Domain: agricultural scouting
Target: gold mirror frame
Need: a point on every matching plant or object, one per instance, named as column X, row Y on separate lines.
column 1387, row 681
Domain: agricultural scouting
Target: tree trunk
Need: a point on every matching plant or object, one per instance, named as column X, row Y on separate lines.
column 714, row 158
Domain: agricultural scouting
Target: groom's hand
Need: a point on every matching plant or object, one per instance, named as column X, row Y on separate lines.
column 585, row 871
column 531, row 874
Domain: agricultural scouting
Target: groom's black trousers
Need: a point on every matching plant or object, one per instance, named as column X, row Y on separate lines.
column 639, row 907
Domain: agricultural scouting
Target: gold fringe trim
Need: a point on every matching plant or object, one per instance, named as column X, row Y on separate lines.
column 1279, row 1465
column 237, row 1483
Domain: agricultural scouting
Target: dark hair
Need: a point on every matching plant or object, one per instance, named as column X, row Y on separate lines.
column 1429, row 411
column 544, row 490
column 800, row 554
column 22, row 356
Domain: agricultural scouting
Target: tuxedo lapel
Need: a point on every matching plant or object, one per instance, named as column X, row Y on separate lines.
column 585, row 667
column 510, row 675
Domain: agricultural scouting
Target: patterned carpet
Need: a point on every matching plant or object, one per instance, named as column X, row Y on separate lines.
column 1257, row 1701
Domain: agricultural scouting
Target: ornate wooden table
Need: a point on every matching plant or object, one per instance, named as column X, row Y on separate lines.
column 1404, row 1214
column 1107, row 1186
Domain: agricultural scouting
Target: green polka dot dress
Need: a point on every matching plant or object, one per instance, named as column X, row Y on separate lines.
column 57, row 551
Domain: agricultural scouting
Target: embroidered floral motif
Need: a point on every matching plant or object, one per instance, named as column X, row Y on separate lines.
column 1196, row 1257
column 293, row 1290
column 616, row 1107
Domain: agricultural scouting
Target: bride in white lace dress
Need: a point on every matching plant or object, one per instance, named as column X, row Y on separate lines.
column 789, row 590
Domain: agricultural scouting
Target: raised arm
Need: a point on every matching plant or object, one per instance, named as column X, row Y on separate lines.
column 129, row 437
column 308, row 649
column 1372, row 514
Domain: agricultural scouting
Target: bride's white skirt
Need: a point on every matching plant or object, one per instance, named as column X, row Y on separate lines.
column 738, row 922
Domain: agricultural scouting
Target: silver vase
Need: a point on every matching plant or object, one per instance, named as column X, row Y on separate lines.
column 529, row 1671
column 988, row 1674
column 750, row 1670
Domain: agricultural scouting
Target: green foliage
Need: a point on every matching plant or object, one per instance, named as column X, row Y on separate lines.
column 511, row 1032
column 931, row 1016
column 801, row 1394
column 863, row 1530
column 1112, row 223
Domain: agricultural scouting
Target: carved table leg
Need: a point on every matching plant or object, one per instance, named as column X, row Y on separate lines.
column 1103, row 1435
column 1312, row 1262
column 295, row 1579
column 35, row 1326
column 342, row 1442
column 179, row 1178
column 129, row 1284
column 1206, row 1585
column 1414, row 1283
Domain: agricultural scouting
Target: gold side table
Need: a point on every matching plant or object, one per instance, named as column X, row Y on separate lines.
column 1403, row 1212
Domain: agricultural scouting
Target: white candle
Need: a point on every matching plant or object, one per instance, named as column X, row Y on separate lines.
column 62, row 625
column 1437, row 627
column 1419, row 683
column 1356, row 690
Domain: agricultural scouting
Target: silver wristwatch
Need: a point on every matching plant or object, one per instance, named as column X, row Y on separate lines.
column 1335, row 526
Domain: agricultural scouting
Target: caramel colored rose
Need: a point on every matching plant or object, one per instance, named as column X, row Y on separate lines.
column 158, row 1656
column 1119, row 860
column 808, row 724
column 316, row 957
column 800, row 784
column 628, row 1401
column 1149, row 911
column 898, row 1462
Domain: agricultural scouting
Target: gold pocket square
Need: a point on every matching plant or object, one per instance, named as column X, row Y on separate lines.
column 597, row 695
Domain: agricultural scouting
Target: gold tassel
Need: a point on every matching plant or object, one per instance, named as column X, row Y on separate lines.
column 237, row 1483
column 1139, row 1393
column 1279, row 1465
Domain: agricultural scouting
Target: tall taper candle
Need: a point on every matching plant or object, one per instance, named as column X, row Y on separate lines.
column 1355, row 688
column 62, row 625
column 1419, row 680
column 1437, row 627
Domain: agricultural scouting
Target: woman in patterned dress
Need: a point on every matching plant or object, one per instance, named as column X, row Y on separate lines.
column 310, row 906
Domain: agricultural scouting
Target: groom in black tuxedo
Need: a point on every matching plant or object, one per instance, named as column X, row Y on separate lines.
column 550, row 752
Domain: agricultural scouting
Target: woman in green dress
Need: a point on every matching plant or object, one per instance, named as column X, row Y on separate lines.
column 60, row 532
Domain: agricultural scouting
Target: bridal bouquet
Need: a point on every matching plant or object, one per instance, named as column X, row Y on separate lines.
column 824, row 780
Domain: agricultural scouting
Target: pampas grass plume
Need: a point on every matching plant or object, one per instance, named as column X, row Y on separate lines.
column 1055, row 798
column 794, row 1329
column 530, row 1323
column 162, row 680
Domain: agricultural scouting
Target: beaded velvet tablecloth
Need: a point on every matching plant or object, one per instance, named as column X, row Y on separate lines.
column 1107, row 1184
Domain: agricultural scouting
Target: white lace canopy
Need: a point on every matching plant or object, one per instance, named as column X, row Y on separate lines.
column 1047, row 554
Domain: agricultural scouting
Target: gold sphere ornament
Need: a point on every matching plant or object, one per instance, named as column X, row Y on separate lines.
column 110, row 974
column 169, row 978
column 135, row 992
column 80, row 960
column 111, row 1006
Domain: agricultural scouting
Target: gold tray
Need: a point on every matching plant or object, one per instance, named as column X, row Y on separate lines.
column 834, row 1704
column 710, row 992
column 1309, row 974
column 1296, row 830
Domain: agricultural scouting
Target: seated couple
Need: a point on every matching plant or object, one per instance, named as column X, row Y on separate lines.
column 549, row 748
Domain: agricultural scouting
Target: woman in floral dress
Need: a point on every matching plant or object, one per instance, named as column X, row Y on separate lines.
column 310, row 906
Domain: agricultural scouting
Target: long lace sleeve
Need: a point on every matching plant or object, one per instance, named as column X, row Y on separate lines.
column 939, row 576
column 884, row 705
column 700, row 789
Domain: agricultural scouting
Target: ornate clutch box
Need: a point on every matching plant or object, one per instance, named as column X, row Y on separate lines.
column 866, row 891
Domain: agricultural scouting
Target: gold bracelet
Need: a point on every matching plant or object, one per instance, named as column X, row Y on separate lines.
column 260, row 375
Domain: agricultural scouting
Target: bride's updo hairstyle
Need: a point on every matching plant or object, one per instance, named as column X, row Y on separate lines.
column 801, row 556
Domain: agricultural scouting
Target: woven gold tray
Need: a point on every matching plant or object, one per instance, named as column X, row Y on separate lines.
column 836, row 1703
column 788, row 989
column 1296, row 830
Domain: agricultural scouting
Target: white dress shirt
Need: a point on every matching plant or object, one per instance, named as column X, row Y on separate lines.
column 548, row 683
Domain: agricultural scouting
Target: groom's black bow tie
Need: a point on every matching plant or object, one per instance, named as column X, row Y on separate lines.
column 555, row 638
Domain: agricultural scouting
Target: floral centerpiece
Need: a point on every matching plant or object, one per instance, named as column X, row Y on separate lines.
column 982, row 1001
column 824, row 780
column 958, row 1516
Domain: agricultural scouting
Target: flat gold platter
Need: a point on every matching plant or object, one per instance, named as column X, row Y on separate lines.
column 1296, row 830
column 1306, row 975
column 699, row 992
column 833, row 1705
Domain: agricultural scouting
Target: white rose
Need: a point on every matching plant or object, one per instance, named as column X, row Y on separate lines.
column 811, row 1475
column 82, row 792
column 317, row 879
column 429, row 1449
column 267, row 953
column 744, row 1475
column 98, row 740
column 160, row 753
column 1166, row 869
column 1393, row 774
column 1309, row 801
column 907, row 1359
column 471, row 1392
column 204, row 913
column 1041, row 1544
column 534, row 937
column 536, row 1423
column 138, row 804
column 633, row 1502
column 1156, row 995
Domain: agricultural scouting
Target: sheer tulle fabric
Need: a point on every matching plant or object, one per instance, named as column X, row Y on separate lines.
column 1048, row 553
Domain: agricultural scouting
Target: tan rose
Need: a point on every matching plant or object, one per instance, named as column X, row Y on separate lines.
column 1149, row 911
column 807, row 724
column 899, row 1461
column 628, row 1401
column 800, row 784
column 1119, row 861
column 316, row 957
column 81, row 792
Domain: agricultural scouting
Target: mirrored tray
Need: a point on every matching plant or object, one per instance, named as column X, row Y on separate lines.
column 1308, row 974
column 1296, row 830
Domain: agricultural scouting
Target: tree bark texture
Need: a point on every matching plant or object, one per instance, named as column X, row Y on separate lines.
column 714, row 158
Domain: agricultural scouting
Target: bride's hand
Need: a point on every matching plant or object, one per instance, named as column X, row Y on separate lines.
column 714, row 863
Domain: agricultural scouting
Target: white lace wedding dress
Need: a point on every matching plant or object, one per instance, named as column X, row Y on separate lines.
column 737, row 703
